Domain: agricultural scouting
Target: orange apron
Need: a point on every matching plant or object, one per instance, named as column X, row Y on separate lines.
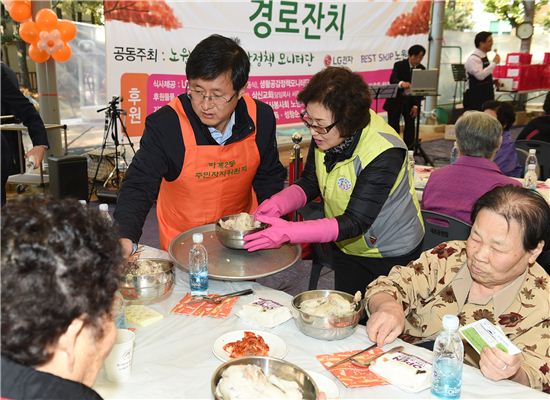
column 215, row 181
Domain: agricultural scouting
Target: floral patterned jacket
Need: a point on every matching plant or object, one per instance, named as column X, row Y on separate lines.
column 438, row 283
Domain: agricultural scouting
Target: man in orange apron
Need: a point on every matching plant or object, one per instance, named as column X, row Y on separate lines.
column 210, row 152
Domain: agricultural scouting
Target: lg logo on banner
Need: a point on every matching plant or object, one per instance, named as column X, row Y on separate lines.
column 337, row 60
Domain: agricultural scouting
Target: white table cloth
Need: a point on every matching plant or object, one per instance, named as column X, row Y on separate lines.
column 173, row 358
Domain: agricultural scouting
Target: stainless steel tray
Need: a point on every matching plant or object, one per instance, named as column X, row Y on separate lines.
column 229, row 264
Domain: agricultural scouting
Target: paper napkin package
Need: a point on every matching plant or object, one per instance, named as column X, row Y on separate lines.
column 142, row 315
column 407, row 372
column 265, row 313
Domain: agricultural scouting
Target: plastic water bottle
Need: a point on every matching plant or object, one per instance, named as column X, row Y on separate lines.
column 104, row 210
column 119, row 311
column 410, row 155
column 531, row 160
column 530, row 178
column 30, row 164
column 198, row 267
column 448, row 360
column 454, row 153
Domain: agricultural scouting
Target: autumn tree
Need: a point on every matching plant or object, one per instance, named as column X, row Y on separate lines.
column 513, row 11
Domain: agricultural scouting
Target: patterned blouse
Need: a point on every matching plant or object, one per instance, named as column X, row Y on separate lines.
column 438, row 283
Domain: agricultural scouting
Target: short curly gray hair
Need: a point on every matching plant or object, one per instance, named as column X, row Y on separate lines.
column 478, row 134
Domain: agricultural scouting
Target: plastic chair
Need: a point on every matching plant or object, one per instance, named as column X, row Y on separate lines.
column 441, row 228
column 543, row 155
column 322, row 255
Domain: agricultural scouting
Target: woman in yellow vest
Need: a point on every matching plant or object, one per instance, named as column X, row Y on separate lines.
column 358, row 164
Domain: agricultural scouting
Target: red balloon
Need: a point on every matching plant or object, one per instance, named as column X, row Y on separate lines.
column 28, row 32
column 38, row 55
column 20, row 11
column 67, row 29
column 63, row 54
column 46, row 19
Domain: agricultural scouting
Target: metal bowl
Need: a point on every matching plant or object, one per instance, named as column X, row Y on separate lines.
column 148, row 288
column 231, row 238
column 326, row 328
column 271, row 366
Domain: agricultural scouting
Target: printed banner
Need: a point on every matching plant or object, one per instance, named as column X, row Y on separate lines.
column 148, row 43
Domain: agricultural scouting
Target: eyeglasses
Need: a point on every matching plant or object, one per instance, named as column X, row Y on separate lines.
column 321, row 130
column 198, row 96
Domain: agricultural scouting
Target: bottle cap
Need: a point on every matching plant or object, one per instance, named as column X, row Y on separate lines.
column 103, row 207
column 411, row 153
column 450, row 322
column 83, row 202
column 531, row 167
column 197, row 237
column 532, row 151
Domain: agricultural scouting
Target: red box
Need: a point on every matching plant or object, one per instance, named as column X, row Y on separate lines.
column 546, row 58
column 518, row 58
column 529, row 77
column 499, row 71
column 545, row 79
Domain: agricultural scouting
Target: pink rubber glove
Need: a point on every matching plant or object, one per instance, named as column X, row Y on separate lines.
column 287, row 200
column 315, row 231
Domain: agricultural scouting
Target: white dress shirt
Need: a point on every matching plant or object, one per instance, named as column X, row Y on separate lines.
column 474, row 65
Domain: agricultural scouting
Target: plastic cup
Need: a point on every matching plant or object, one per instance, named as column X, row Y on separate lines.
column 118, row 363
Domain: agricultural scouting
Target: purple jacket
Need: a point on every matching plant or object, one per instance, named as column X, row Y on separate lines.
column 507, row 158
column 453, row 190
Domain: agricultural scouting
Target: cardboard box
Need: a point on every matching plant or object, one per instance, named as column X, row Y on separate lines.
column 546, row 59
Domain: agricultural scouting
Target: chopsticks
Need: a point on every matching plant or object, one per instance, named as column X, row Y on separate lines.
column 218, row 299
column 352, row 356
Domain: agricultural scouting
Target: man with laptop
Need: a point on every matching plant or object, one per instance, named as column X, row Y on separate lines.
column 404, row 104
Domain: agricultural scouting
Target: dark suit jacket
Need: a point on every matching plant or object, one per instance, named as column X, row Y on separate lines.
column 14, row 102
column 402, row 72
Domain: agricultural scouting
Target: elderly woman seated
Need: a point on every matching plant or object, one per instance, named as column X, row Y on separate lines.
column 60, row 271
column 452, row 190
column 492, row 275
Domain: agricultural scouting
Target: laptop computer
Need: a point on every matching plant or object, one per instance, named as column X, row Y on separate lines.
column 424, row 82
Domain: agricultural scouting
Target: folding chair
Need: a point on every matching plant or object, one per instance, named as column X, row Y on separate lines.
column 441, row 228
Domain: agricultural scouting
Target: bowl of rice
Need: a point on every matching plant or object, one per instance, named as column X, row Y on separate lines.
column 147, row 280
column 232, row 229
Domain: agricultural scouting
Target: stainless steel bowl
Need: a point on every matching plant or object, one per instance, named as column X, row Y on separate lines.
column 271, row 366
column 326, row 328
column 148, row 288
column 231, row 238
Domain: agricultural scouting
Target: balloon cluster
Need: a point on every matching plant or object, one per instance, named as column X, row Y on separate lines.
column 48, row 36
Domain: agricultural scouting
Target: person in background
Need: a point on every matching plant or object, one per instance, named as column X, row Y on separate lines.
column 453, row 190
column 210, row 152
column 492, row 275
column 479, row 73
column 60, row 270
column 404, row 104
column 538, row 128
column 13, row 102
column 506, row 157
column 358, row 165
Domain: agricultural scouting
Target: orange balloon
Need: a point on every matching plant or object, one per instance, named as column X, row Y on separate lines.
column 28, row 32
column 67, row 29
column 38, row 55
column 46, row 19
column 63, row 54
column 20, row 11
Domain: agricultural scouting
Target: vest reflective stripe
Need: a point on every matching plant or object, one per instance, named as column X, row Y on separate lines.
column 389, row 236
column 214, row 181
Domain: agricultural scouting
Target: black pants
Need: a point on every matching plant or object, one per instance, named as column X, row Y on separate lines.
column 394, row 117
column 353, row 273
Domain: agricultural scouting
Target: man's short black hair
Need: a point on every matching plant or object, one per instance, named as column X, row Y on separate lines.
column 417, row 49
column 215, row 56
column 481, row 37
column 490, row 105
column 546, row 105
column 506, row 115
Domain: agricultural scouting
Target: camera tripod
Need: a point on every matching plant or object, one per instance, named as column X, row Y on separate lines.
column 112, row 119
